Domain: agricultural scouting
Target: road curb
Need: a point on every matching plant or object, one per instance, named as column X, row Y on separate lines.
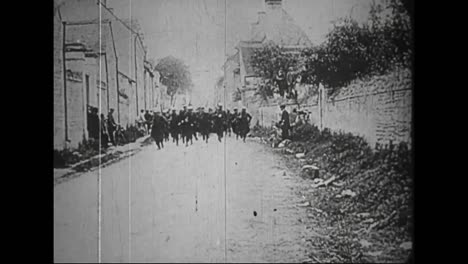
column 116, row 154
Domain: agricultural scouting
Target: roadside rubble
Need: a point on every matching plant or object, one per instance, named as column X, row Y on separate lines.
column 360, row 195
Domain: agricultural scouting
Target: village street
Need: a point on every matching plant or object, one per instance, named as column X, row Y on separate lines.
column 215, row 202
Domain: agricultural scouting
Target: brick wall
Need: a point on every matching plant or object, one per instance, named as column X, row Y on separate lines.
column 379, row 109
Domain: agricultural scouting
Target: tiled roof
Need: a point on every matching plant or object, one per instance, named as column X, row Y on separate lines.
column 280, row 28
column 274, row 27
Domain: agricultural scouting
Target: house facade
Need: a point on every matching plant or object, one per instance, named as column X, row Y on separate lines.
column 99, row 61
column 274, row 25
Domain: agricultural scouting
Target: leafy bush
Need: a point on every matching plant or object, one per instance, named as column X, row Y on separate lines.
column 351, row 50
column 381, row 178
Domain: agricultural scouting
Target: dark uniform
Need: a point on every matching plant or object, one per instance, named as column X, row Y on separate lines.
column 205, row 125
column 182, row 115
column 235, row 122
column 111, row 126
column 158, row 129
column 228, row 123
column 244, row 124
column 211, row 118
column 196, row 124
column 93, row 123
column 149, row 121
column 218, row 124
column 188, row 128
column 166, row 116
column 174, row 127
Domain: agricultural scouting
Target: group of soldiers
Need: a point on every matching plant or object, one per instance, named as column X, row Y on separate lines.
column 188, row 124
column 101, row 128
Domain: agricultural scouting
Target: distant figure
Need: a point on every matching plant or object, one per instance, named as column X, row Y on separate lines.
column 219, row 118
column 166, row 115
column 292, row 119
column 290, row 79
column 141, row 121
column 244, row 123
column 211, row 116
column 228, row 123
column 182, row 115
column 111, row 126
column 235, row 122
column 148, row 120
column 194, row 123
column 284, row 123
column 282, row 83
column 205, row 125
column 93, row 122
column 104, row 132
column 174, row 126
column 158, row 128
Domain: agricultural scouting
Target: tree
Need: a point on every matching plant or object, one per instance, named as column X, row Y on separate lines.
column 267, row 61
column 352, row 51
column 175, row 75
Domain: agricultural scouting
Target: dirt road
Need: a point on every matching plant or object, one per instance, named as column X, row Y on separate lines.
column 215, row 202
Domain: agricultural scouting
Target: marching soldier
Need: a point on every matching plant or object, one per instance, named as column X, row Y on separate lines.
column 228, row 123
column 174, row 126
column 182, row 114
column 188, row 126
column 234, row 122
column 205, row 125
column 167, row 115
column 244, row 123
column 219, row 118
column 211, row 116
column 195, row 124
column 158, row 128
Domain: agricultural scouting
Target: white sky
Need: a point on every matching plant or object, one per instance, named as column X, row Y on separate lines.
column 204, row 32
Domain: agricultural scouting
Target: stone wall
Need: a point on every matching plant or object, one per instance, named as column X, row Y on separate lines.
column 378, row 108
column 59, row 101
